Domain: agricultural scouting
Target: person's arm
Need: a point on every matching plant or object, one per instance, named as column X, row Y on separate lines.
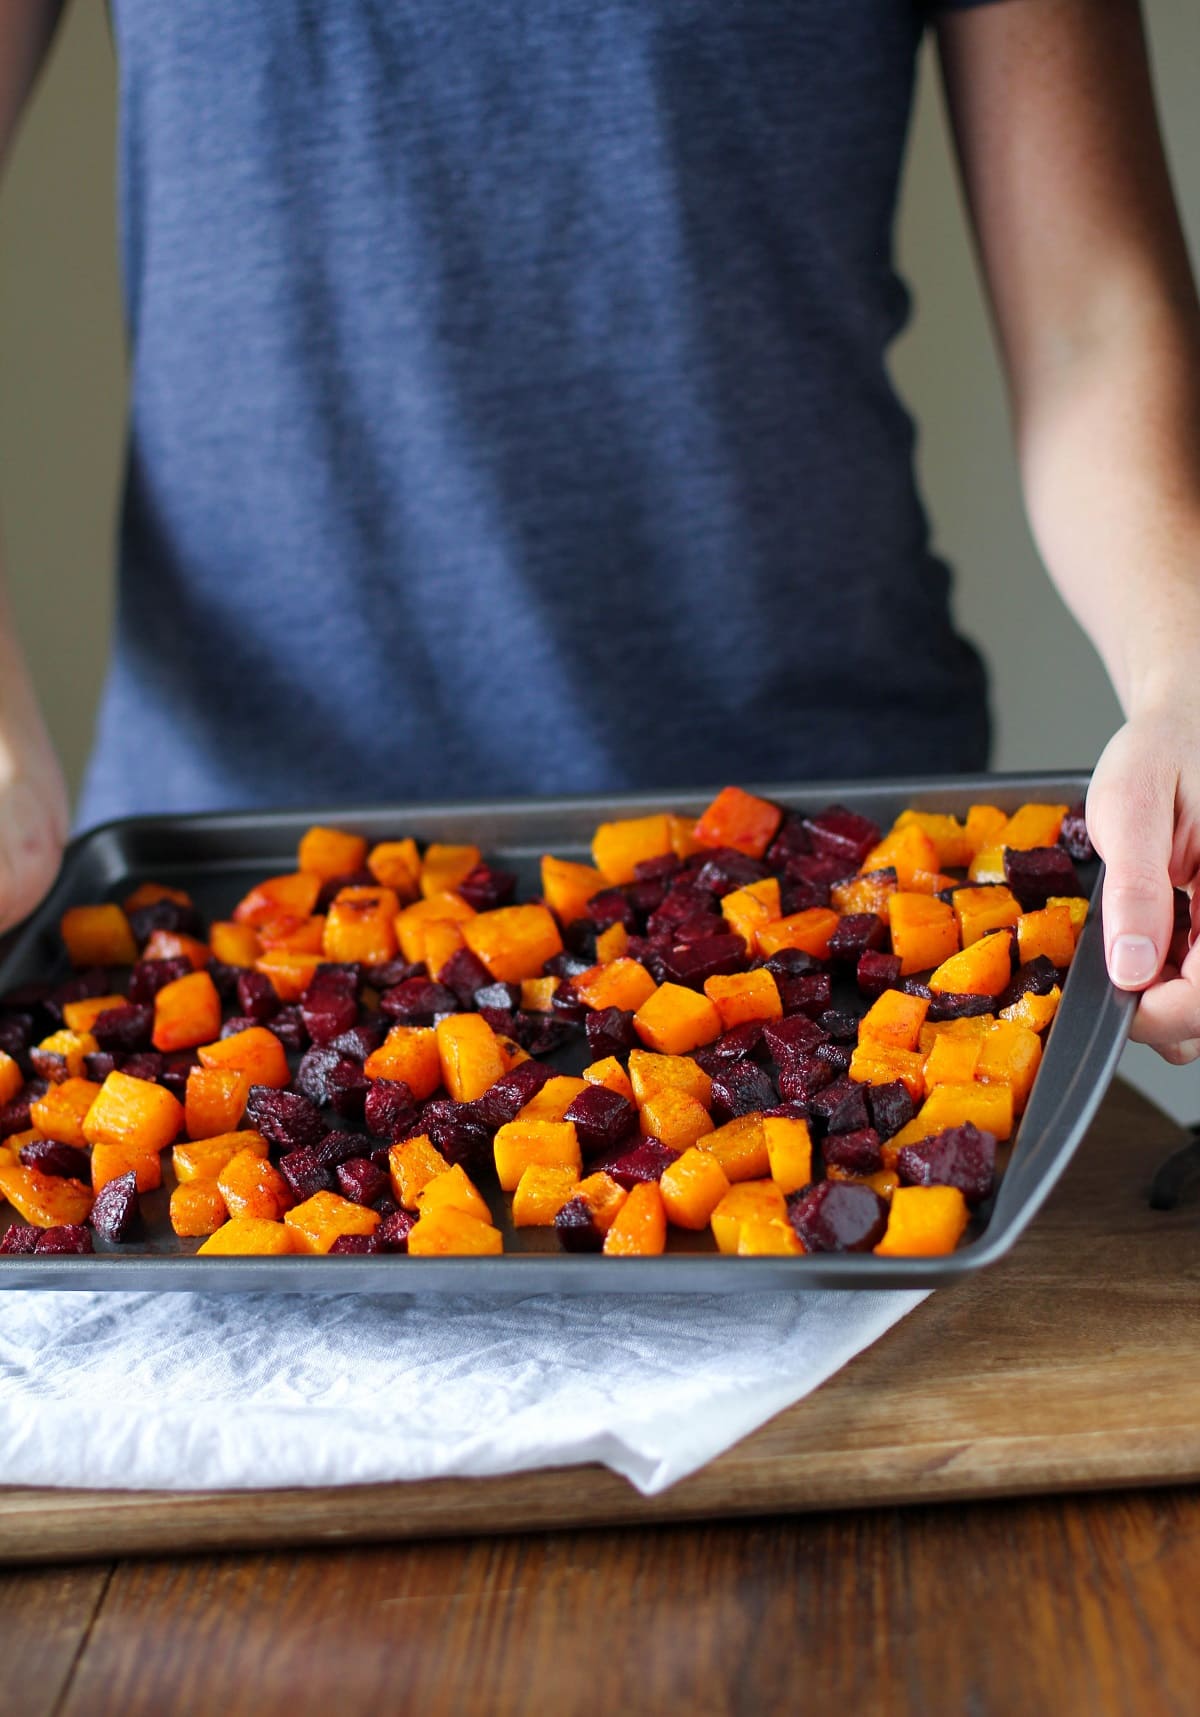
column 33, row 798
column 1099, row 330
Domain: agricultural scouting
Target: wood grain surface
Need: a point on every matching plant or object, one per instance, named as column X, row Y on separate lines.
column 1075, row 1364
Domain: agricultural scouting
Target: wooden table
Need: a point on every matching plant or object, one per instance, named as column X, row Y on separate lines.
column 1071, row 1605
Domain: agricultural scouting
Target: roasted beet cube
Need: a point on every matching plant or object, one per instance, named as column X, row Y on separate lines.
column 856, row 934
column 1039, row 873
column 610, row 1031
column 286, row 1118
column 568, row 1009
column 389, row 1108
column 14, row 1116
column 791, row 838
column 732, row 1045
column 236, row 1023
column 692, row 963
column 417, row 1001
column 682, row 902
column 99, row 1064
column 312, row 1075
column 16, row 1036
column 739, row 1089
column 77, row 988
column 800, row 894
column 124, row 1030
column 465, row 974
column 602, row 1119
column 393, row 1232
column 306, row 1173
column 54, row 1158
column 576, row 1227
column 858, row 1152
column 819, row 870
column 351, row 1245
column 385, row 1203
column 501, row 1021
column 611, row 907
column 148, row 1065
column 838, row 1216
column 116, row 1213
column 20, row 1239
column 665, row 866
column 838, row 1055
column 646, row 895
column 461, row 1131
column 176, row 1070
column 502, row 997
column 890, row 1107
column 360, row 1181
column 839, row 1024
column 962, row 1156
column 642, row 1161
column 225, row 981
column 288, row 1026
column 566, row 965
column 327, row 1012
column 485, row 888
column 877, row 972
column 803, row 1077
column 811, row 995
column 1074, row 835
column 725, row 869
column 842, row 1106
column 48, row 1064
column 945, row 1004
column 149, row 976
column 170, row 915
column 542, row 1034
column 347, row 1086
column 361, row 1040
column 843, row 835
column 1035, row 978
column 579, row 939
column 393, row 972
column 339, row 1147
column 792, row 963
column 65, row 1241
column 502, row 1101
column 786, row 1039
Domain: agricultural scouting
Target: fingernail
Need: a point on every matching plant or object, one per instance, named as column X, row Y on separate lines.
column 1133, row 960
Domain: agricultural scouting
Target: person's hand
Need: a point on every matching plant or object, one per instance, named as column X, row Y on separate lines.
column 34, row 822
column 1143, row 814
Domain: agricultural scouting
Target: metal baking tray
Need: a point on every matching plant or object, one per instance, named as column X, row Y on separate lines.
column 217, row 856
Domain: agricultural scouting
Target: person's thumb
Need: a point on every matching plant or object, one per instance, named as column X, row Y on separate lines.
column 1131, row 819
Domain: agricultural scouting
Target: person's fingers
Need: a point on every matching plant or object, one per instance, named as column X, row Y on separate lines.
column 1131, row 819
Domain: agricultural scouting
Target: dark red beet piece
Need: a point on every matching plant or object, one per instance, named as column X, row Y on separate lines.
column 962, row 1156
column 286, row 1118
column 149, row 976
column 305, row 1172
column 792, row 963
column 542, row 1034
column 735, row 1044
column 791, row 838
column 125, row 1030
column 1039, row 873
column 505, row 996
column 312, row 1075
column 842, row 834
column 811, row 995
column 116, row 1213
column 385, row 1204
column 683, row 901
column 602, row 1119
column 20, row 1240
column 348, row 1085
column 1035, row 978
column 610, row 1031
column 389, row 1108
column 54, row 1158
column 465, row 974
column 176, row 1070
column 148, row 1065
column 568, row 1009
column 856, row 934
column 99, row 1064
column 818, row 870
column 417, row 1001
column 665, row 866
column 945, row 1004
column 461, row 1131
column 693, row 963
column 1074, row 835
column 48, row 1064
column 170, row 915
column 361, row 1040
column 644, row 1161
column 16, row 1036
column 611, row 907
column 876, row 973
column 740, row 1089
column 838, row 1055
column 890, row 1108
column 360, row 1181
column 338, row 1147
column 725, row 869
column 797, row 894
column 393, row 1232
column 579, row 939
column 566, row 965
column 80, row 986
column 839, row 1024
column 786, row 1039
column 802, row 1077
column 65, row 1241
column 391, row 973
column 288, row 1026
column 646, row 895
column 236, row 1023
column 838, row 1216
column 485, row 888
column 842, row 1106
column 350, row 1245
column 576, row 1227
column 327, row 1012
column 857, row 1152
column 502, row 1101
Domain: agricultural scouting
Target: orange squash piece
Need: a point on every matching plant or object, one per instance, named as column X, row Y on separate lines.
column 151, row 893
column 1033, row 825
column 553, row 1100
column 541, row 1193
column 45, row 1200
column 214, row 1100
column 412, row 925
column 692, row 1187
column 603, row 1197
column 611, row 944
column 747, row 910
column 1076, row 908
column 249, row 1237
column 295, row 894
column 412, row 1164
column 950, row 839
column 110, row 1162
column 924, row 1222
column 233, row 944
column 330, row 853
column 445, row 867
column 133, row 1113
column 640, row 1228
column 512, row 1052
column 408, row 1052
column 983, row 969
column 619, row 847
column 61, row 1112
column 809, row 930
column 174, row 945
column 893, row 1021
column 186, row 1013
column 521, row 1142
column 871, row 891
column 983, row 826
column 197, row 1209
column 82, row 1015
column 469, row 1056
column 744, row 996
column 675, row 1118
column 987, row 866
column 288, row 934
column 456, row 1190
column 789, row 1151
column 1049, row 932
column 447, row 1232
column 683, row 836
column 256, row 1052
column 11, row 1078
column 988, row 1107
column 98, row 936
column 924, row 931
column 324, row 1218
column 737, row 819
column 514, row 942
column 290, row 972
column 252, row 1186
column 622, row 983
column 443, row 939
column 649, row 1073
column 361, row 926
column 773, row 1239
column 1010, row 1054
column 952, row 1060
column 204, row 1159
column 909, row 852
column 567, row 887
column 877, row 1064
column 674, row 1020
column 751, row 1200
column 69, row 1050
column 397, row 865
column 740, row 1146
column 611, row 1075
column 980, row 910
column 537, row 994
column 1037, row 1012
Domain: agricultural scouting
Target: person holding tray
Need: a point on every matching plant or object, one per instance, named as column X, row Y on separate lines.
column 510, row 412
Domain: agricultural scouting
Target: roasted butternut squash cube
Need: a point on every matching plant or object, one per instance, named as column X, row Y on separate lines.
column 611, row 1075
column 151, row 893
column 443, row 939
column 875, row 1064
column 621, row 983
column 413, row 1163
column 110, row 1162
column 983, row 969
column 256, row 1052
column 973, row 1026
column 870, row 892
column 1033, row 825
column 748, row 910
column 980, row 910
column 175, row 945
column 752, row 1200
column 187, row 1013
column 296, row 893
column 952, row 1060
column 541, row 1193
column 330, row 853
column 810, row 930
column 789, row 1151
column 197, row 1209
column 98, row 936
column 514, row 942
column 537, row 994
column 445, row 867
column 82, row 1015
column 408, row 1052
column 361, row 926
column 45, row 1200
column 673, row 1117
column 924, row 931
column 1010, row 1054
column 611, row 944
column 455, row 1188
column 469, row 1056
column 553, row 1100
column 924, row 1222
column 567, row 887
column 1076, row 906
column 740, row 1146
column 11, row 1078
column 325, row 1217
column 619, row 847
column 1049, row 932
column 988, row 1107
column 683, row 836
column 987, row 866
column 290, row 972
column 640, row 1228
column 61, row 1112
column 893, row 1021
column 674, row 1020
column 983, row 826
column 63, row 1054
column 134, row 1113
column 603, row 1197
column 649, row 1073
column 520, row 1143
column 290, row 935
column 775, row 1238
column 397, row 865
column 744, row 996
column 1037, row 1012
column 249, row 1236
column 740, row 820
column 203, row 1159
column 214, row 1100
column 909, row 852
column 692, row 1187
column 951, row 841
column 447, row 1232
column 412, row 925
column 252, row 1186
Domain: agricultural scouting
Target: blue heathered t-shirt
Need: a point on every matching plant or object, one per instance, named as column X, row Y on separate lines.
column 509, row 408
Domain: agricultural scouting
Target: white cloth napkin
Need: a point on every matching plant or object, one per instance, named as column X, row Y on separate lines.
column 214, row 1392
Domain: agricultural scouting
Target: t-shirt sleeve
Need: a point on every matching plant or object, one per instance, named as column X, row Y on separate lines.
column 932, row 8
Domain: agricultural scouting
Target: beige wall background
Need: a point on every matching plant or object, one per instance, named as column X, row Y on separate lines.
column 62, row 396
